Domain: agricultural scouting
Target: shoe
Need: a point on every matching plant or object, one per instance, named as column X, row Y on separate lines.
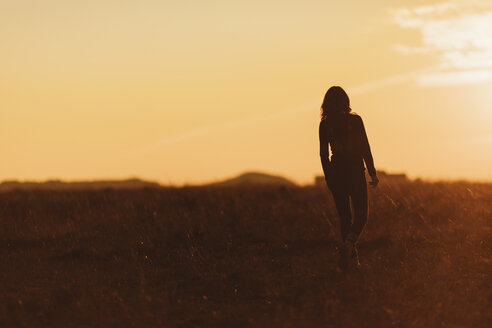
column 352, row 247
column 352, row 254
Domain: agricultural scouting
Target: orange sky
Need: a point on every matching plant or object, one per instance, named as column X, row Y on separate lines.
column 194, row 91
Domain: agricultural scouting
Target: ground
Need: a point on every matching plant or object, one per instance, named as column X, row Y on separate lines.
column 244, row 257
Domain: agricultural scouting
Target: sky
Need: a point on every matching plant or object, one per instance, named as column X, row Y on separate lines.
column 186, row 92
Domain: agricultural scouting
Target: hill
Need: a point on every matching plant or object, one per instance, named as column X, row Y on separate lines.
column 78, row 185
column 255, row 178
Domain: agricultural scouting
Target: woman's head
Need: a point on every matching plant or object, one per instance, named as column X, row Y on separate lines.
column 336, row 101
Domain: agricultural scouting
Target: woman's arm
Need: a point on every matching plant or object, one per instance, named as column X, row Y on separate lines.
column 367, row 155
column 323, row 149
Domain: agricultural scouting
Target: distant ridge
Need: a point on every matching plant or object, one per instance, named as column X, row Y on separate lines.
column 255, row 178
column 78, row 185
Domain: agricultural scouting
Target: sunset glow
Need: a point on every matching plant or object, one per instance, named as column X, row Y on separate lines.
column 190, row 91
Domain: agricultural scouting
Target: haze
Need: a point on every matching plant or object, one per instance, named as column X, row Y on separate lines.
column 193, row 91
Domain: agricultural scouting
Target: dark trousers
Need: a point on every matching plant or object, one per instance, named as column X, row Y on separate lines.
column 350, row 188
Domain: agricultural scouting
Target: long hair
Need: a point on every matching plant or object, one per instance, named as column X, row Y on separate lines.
column 336, row 102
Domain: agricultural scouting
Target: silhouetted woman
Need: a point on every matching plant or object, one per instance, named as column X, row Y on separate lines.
column 345, row 134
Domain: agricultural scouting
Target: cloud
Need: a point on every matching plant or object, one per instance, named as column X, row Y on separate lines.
column 459, row 33
column 384, row 82
column 216, row 128
column 252, row 122
column 452, row 78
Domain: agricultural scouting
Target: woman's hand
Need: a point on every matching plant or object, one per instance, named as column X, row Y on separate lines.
column 329, row 176
column 374, row 181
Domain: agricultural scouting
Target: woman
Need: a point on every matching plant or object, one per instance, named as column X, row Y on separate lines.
column 344, row 173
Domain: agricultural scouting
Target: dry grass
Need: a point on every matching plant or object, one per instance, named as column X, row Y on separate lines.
column 244, row 257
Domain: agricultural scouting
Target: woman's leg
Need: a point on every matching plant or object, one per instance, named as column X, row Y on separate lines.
column 342, row 202
column 358, row 195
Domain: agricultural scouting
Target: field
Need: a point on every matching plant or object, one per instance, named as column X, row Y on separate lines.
column 244, row 257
